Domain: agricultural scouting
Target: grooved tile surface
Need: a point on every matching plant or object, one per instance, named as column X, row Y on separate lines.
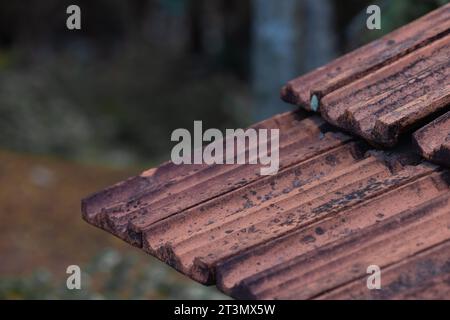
column 381, row 92
column 368, row 58
column 335, row 205
column 365, row 182
column 433, row 140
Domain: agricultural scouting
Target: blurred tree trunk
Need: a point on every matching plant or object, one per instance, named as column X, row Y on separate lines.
column 276, row 35
column 319, row 36
column 289, row 38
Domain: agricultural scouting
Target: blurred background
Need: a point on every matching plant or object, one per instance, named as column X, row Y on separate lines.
column 82, row 109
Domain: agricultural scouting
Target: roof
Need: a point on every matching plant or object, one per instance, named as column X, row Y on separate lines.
column 386, row 88
column 239, row 230
column 338, row 203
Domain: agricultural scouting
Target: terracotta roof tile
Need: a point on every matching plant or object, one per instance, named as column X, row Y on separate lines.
column 433, row 140
column 379, row 91
column 340, row 190
column 387, row 102
column 368, row 58
column 337, row 204
column 335, row 251
column 425, row 275
column 299, row 141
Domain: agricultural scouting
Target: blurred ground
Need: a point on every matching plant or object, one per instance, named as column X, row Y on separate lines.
column 41, row 233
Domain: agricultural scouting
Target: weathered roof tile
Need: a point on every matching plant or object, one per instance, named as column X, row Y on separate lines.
column 338, row 263
column 425, row 275
column 433, row 140
column 336, row 206
column 380, row 92
column 387, row 102
column 368, row 58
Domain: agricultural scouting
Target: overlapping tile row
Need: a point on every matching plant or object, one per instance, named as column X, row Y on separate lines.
column 389, row 101
column 326, row 231
column 392, row 97
column 166, row 174
column 259, row 212
column 303, row 194
column 368, row 58
column 336, row 205
column 129, row 207
column 433, row 140
column 112, row 208
column 327, row 255
column 332, row 194
column 425, row 275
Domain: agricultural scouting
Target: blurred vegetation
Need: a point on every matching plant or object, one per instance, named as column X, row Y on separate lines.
column 113, row 92
column 110, row 275
column 113, row 112
column 400, row 12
